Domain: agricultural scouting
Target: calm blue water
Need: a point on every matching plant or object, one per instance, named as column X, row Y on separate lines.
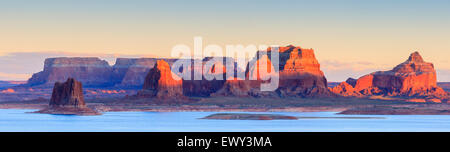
column 19, row 120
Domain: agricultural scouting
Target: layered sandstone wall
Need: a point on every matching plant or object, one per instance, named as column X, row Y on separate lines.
column 90, row 71
column 413, row 78
column 160, row 83
column 299, row 75
column 131, row 72
column 94, row 72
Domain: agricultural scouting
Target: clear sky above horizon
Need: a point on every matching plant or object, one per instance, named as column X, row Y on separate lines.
column 350, row 37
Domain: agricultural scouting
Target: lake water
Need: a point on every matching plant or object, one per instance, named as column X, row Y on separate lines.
column 18, row 120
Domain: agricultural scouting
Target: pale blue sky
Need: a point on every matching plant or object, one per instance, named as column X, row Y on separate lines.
column 360, row 35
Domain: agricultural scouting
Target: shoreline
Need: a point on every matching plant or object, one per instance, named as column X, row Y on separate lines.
column 221, row 104
column 180, row 108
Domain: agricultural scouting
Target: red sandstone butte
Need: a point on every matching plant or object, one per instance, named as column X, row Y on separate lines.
column 299, row 75
column 413, row 78
column 160, row 83
column 345, row 89
column 69, row 93
column 67, row 98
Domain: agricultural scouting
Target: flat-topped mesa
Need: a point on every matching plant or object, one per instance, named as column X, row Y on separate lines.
column 298, row 59
column 89, row 70
column 67, row 94
column 159, row 83
column 300, row 73
column 413, row 78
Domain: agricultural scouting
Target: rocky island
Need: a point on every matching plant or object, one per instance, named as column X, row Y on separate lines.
column 67, row 99
column 244, row 116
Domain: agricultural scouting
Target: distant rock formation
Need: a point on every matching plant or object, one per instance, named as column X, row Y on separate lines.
column 69, row 93
column 299, row 76
column 90, row 70
column 413, row 78
column 93, row 72
column 131, row 72
column 300, row 73
column 160, row 84
column 345, row 89
column 67, row 98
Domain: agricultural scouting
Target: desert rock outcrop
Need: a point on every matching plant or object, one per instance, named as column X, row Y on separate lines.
column 413, row 78
column 299, row 75
column 67, row 98
column 161, row 84
column 90, row 71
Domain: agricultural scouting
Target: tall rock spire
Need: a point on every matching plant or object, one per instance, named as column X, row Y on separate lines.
column 69, row 93
column 159, row 83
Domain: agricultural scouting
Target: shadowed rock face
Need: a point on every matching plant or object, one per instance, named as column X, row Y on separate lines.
column 93, row 72
column 67, row 94
column 412, row 78
column 129, row 72
column 67, row 99
column 345, row 89
column 90, row 71
column 205, row 87
column 159, row 83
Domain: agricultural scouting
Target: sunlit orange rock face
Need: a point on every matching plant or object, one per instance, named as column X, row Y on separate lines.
column 413, row 78
column 299, row 75
column 91, row 71
column 234, row 87
column 131, row 72
column 161, row 84
column 345, row 89
column 9, row 90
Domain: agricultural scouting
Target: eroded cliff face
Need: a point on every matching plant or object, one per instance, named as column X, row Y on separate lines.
column 206, row 86
column 413, row 78
column 68, row 94
column 67, row 99
column 93, row 72
column 90, row 71
column 161, row 84
column 346, row 90
column 299, row 75
column 130, row 73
